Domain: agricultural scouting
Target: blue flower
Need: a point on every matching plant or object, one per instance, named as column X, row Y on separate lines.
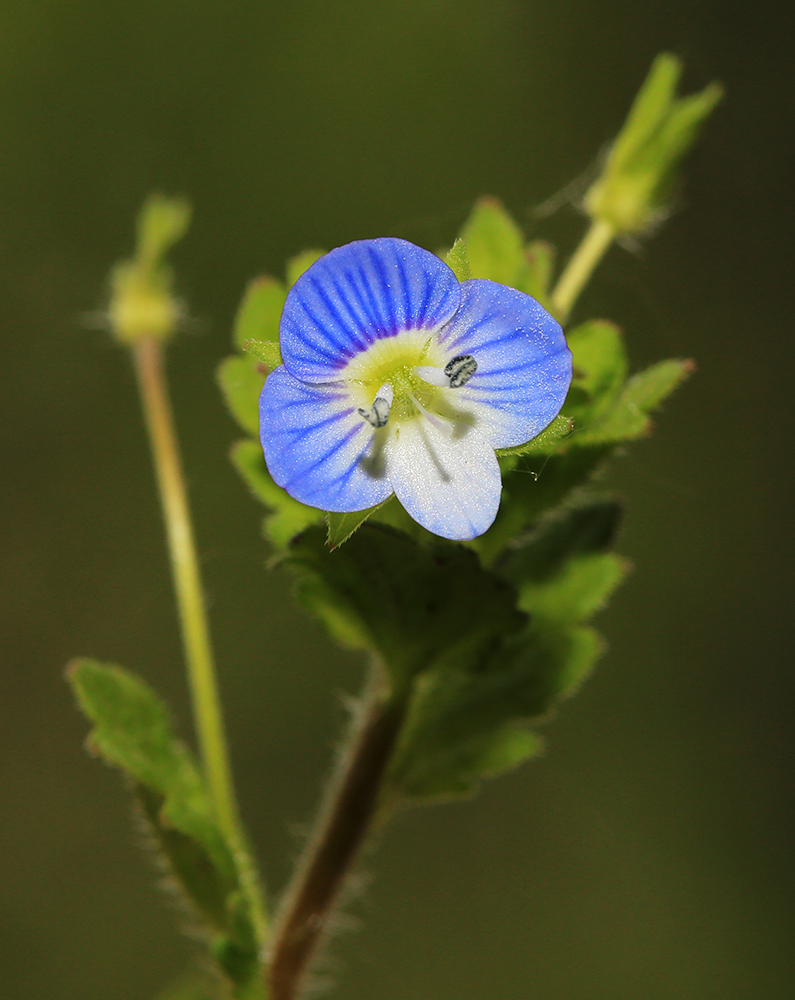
column 398, row 378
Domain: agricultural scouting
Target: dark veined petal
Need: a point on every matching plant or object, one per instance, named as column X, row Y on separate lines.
column 448, row 480
column 524, row 364
column 357, row 294
column 316, row 445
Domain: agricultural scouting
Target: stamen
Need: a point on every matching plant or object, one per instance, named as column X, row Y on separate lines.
column 460, row 370
column 378, row 414
column 455, row 374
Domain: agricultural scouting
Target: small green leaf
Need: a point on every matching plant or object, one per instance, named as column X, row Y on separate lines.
column 628, row 416
column 266, row 351
column 591, row 527
column 411, row 604
column 458, row 261
column 241, row 382
column 534, row 485
column 582, row 587
column 464, row 724
column 132, row 731
column 259, row 312
column 545, row 443
column 600, row 370
column 288, row 517
column 300, row 263
column 495, row 244
column 537, row 279
column 342, row 525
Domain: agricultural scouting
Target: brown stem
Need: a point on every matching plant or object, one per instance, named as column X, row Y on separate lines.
column 346, row 816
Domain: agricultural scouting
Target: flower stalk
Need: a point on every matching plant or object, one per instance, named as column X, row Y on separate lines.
column 346, row 817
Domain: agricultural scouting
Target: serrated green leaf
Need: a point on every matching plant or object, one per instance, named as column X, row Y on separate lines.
column 300, row 263
column 241, row 383
column 288, row 517
column 495, row 244
column 410, row 604
column 459, row 720
column 132, row 731
column 534, row 485
column 545, row 443
column 628, row 416
column 458, row 261
column 260, row 311
column 600, row 370
column 266, row 351
column 578, row 591
column 563, row 572
column 342, row 525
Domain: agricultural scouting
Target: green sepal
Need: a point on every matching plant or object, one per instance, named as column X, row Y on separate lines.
column 495, row 245
column 266, row 351
column 628, row 417
column 342, row 525
column 411, row 605
column 300, row 263
column 458, row 261
column 545, row 443
column 287, row 517
column 133, row 731
column 259, row 312
column 640, row 170
column 241, row 380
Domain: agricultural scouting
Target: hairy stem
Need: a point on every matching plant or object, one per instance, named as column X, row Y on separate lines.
column 346, row 816
column 580, row 268
column 148, row 357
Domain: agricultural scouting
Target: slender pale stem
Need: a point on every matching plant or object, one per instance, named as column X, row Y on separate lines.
column 346, row 816
column 148, row 356
column 580, row 268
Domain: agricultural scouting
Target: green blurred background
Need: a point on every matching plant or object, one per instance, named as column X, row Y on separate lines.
column 649, row 853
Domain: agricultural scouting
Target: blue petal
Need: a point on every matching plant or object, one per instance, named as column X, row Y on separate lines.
column 316, row 445
column 357, row 294
column 524, row 364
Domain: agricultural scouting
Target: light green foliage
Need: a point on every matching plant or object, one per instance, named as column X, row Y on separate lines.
column 628, row 416
column 286, row 517
column 300, row 263
column 458, row 261
column 467, row 724
column 241, row 381
column 412, row 605
column 537, row 279
column 133, row 731
column 259, row 312
column 640, row 170
column 161, row 223
column 495, row 244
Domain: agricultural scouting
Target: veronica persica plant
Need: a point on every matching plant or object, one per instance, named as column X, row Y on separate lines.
column 398, row 378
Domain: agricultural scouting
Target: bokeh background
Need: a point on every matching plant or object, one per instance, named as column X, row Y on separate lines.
column 649, row 853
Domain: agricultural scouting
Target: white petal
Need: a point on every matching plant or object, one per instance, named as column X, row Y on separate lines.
column 448, row 480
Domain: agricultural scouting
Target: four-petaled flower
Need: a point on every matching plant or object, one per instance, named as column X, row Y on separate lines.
column 396, row 377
